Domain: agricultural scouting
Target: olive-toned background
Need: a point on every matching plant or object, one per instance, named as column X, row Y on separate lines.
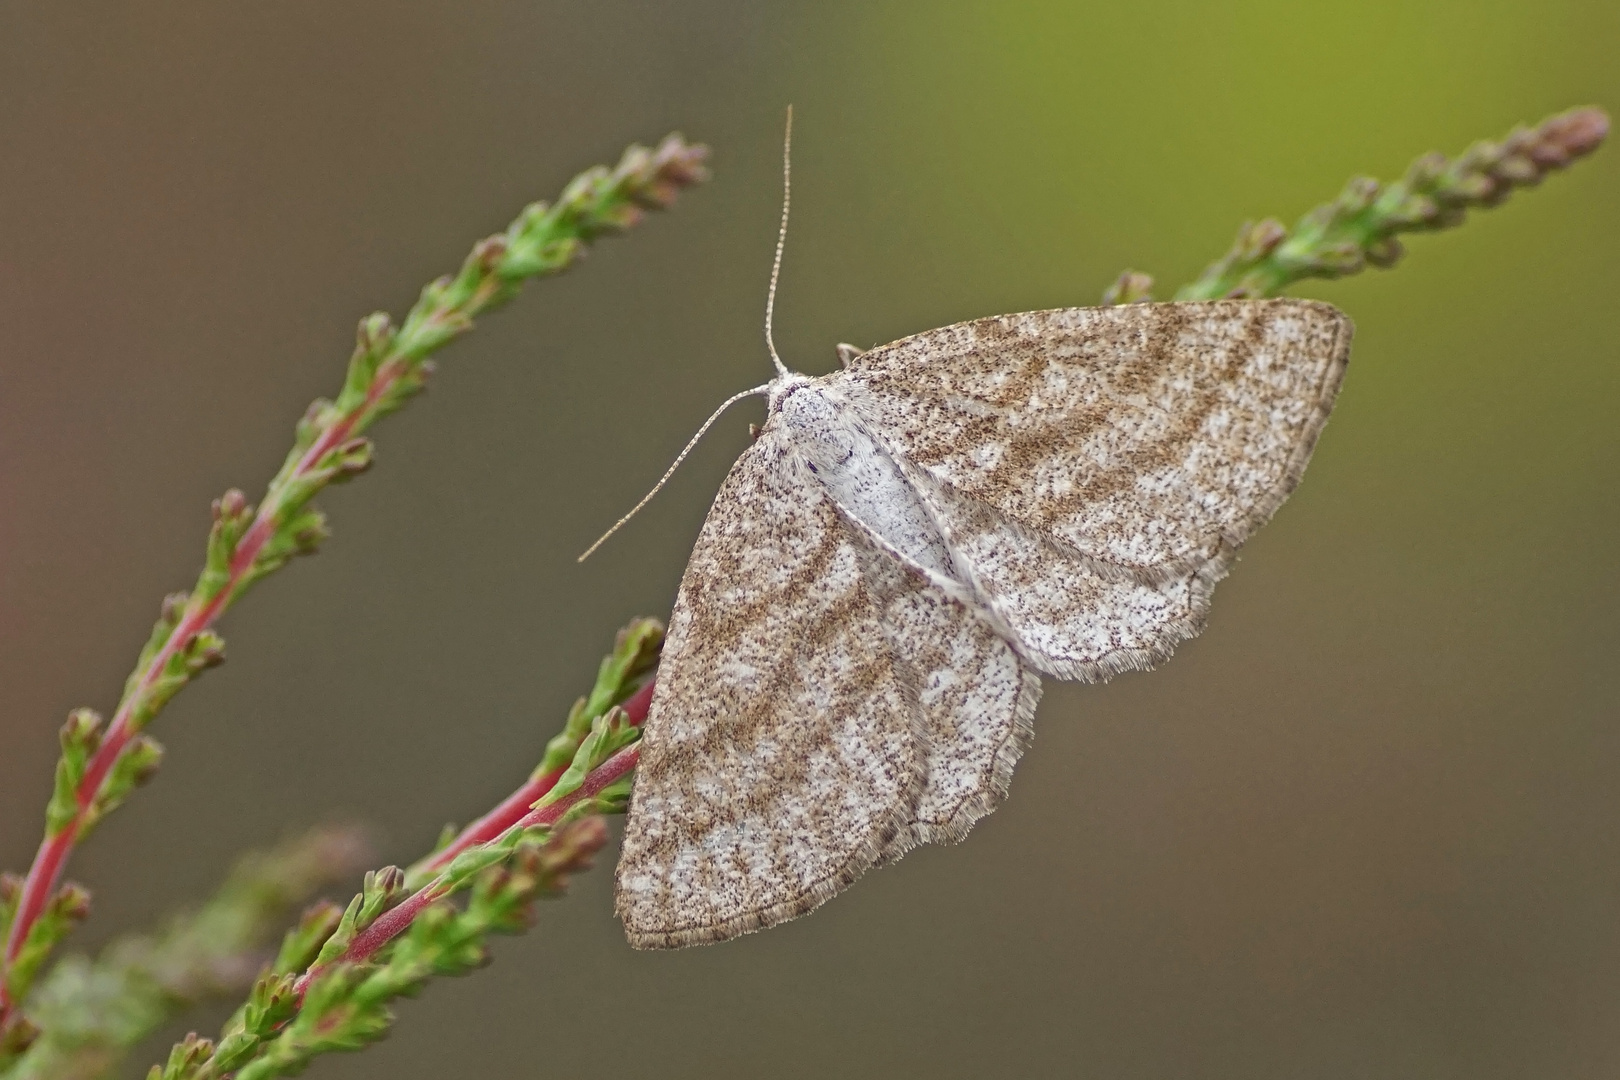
column 1365, row 826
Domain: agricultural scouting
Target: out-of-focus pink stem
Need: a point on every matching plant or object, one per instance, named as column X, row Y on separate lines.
column 636, row 705
column 52, row 857
column 396, row 920
column 517, row 804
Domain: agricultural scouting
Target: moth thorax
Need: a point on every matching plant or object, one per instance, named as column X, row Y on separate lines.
column 863, row 478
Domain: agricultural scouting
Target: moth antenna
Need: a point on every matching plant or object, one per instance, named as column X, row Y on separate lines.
column 781, row 241
column 647, row 498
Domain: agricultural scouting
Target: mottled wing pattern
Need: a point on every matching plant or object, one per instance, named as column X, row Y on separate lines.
column 1067, row 618
column 781, row 756
column 846, row 677
column 975, row 701
column 1151, row 439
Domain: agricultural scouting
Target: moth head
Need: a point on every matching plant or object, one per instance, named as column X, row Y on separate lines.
column 781, row 388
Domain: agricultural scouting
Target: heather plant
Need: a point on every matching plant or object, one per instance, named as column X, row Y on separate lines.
column 329, row 984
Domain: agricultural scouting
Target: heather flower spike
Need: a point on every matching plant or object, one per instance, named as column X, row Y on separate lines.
column 247, row 542
column 92, row 1011
column 1362, row 226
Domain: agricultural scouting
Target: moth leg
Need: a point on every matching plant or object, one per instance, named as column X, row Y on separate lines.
column 847, row 353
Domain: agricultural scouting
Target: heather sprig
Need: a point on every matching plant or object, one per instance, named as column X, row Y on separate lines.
column 634, row 656
column 623, row 679
column 100, row 765
column 92, row 1011
column 597, row 781
column 346, row 1006
column 1363, row 225
column 337, row 970
column 68, row 906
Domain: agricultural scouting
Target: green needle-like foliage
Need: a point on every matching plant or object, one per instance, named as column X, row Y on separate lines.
column 1362, row 226
column 69, row 906
column 634, row 656
column 344, row 1005
column 101, row 765
column 92, row 1011
column 319, row 996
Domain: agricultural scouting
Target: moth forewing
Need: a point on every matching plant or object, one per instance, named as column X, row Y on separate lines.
column 1151, row 438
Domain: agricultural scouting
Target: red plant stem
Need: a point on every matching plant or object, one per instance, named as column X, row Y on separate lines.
column 636, row 705
column 516, row 805
column 53, row 853
column 497, row 821
column 396, row 920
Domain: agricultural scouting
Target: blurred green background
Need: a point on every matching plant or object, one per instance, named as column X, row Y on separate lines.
column 1365, row 826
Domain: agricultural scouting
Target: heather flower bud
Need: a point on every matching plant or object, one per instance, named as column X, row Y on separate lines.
column 1385, row 253
column 72, row 902
column 143, row 755
column 230, row 506
column 82, row 731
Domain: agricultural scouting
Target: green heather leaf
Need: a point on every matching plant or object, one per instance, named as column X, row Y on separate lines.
column 69, row 907
column 303, row 942
column 635, row 654
column 378, row 893
column 169, row 614
column 137, row 762
column 610, row 733
column 467, row 864
column 80, row 736
column 374, row 338
column 336, row 944
column 186, row 1060
column 348, row 461
column 431, row 332
column 317, row 418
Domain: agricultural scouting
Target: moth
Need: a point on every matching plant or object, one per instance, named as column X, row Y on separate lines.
column 909, row 544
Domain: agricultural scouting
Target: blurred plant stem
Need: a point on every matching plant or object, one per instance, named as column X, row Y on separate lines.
column 337, row 972
column 92, row 1012
column 100, row 766
column 1362, row 226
